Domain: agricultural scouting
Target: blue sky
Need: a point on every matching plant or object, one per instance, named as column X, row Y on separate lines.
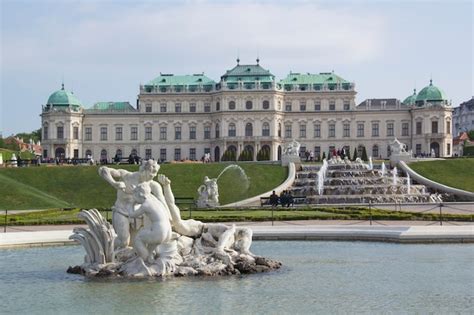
column 104, row 49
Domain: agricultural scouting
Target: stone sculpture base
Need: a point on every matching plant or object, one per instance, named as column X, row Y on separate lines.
column 287, row 159
column 215, row 250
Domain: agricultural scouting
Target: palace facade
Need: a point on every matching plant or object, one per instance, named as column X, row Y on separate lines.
column 247, row 114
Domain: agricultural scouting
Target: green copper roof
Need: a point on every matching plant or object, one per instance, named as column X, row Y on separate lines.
column 322, row 78
column 410, row 100
column 431, row 93
column 248, row 73
column 63, row 98
column 176, row 80
column 112, row 107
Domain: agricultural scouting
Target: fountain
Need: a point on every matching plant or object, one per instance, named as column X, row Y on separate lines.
column 371, row 166
column 209, row 190
column 148, row 238
column 344, row 181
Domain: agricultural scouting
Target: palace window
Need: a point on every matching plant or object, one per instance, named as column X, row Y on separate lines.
column 375, row 129
column 266, row 104
column 346, row 131
column 177, row 108
column 88, row 134
column 418, row 149
column 248, row 105
column 332, row 130
column 60, row 132
column 192, row 154
column 231, row 132
column 217, row 131
column 177, row 132
column 448, row 148
column 418, row 127
column 192, row 132
column 148, row 154
column 163, row 133
column 317, row 152
column 192, row 107
column 148, row 108
column 75, row 133
column 207, row 132
column 218, row 106
column 45, row 133
column 231, row 105
column 266, row 129
column 317, row 131
column 163, row 155
column 302, row 131
column 347, row 106
column 103, row 133
column 317, row 105
column 207, row 108
column 288, row 131
column 177, row 154
column 390, row 130
column 405, row 129
column 288, row 107
column 248, row 130
column 133, row 133
column 163, row 107
column 434, row 127
column 360, row 130
column 118, row 133
column 375, row 151
column 148, row 133
column 332, row 105
column 448, row 127
column 302, row 106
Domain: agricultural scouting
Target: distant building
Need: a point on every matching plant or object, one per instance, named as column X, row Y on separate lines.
column 248, row 113
column 30, row 146
column 463, row 117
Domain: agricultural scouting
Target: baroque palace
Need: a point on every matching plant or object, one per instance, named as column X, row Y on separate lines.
column 247, row 114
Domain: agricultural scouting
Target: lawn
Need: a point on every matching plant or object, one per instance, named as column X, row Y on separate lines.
column 458, row 173
column 82, row 187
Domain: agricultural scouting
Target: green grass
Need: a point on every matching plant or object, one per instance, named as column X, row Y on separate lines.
column 236, row 215
column 7, row 154
column 82, row 187
column 458, row 173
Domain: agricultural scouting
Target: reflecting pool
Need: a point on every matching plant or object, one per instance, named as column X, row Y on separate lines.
column 317, row 277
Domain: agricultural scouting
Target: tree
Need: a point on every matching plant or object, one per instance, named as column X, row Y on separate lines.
column 35, row 135
column 470, row 134
column 364, row 154
column 354, row 157
column 324, row 155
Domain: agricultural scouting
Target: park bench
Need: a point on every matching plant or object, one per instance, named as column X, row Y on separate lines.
column 265, row 201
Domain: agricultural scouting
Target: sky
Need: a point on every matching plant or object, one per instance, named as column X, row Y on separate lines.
column 103, row 50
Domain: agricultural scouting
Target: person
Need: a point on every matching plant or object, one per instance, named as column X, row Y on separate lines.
column 159, row 230
column 306, row 155
column 289, row 199
column 283, row 198
column 125, row 203
column 274, row 200
column 131, row 160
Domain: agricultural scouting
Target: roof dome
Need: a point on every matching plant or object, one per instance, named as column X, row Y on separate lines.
column 410, row 100
column 431, row 93
column 63, row 98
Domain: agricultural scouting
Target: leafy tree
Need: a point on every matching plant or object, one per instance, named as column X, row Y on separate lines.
column 35, row 135
column 470, row 134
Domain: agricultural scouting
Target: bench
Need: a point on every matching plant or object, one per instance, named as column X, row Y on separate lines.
column 265, row 201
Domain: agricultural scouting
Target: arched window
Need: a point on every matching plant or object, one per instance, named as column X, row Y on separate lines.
column 134, row 152
column 232, row 130
column 266, row 129
column 218, row 106
column 389, row 151
column 375, row 151
column 248, row 105
column 248, row 130
column 231, row 105
column 103, row 156
column 279, row 130
column 118, row 153
column 217, row 131
column 266, row 104
column 88, row 154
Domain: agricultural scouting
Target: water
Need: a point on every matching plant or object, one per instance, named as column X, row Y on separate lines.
column 244, row 180
column 317, row 277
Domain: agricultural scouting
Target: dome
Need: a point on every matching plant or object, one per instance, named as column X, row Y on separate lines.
column 410, row 100
column 431, row 93
column 63, row 98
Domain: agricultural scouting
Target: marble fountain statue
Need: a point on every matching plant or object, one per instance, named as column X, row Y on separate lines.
column 148, row 237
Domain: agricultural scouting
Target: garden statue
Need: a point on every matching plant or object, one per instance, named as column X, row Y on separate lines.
column 153, row 240
column 208, row 193
column 293, row 148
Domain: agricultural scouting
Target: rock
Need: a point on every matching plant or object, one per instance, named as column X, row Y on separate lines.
column 75, row 270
